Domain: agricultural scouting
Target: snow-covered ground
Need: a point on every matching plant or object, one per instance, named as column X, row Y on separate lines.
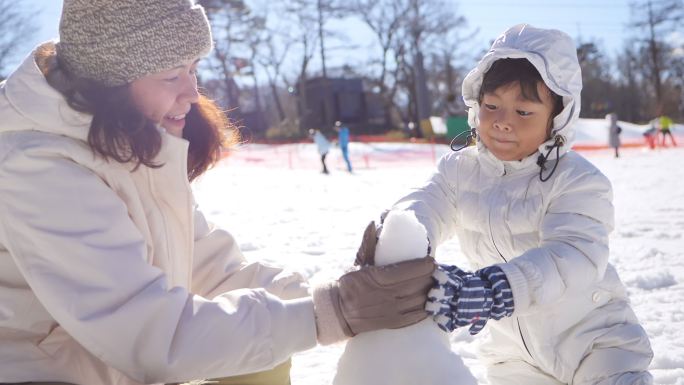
column 282, row 210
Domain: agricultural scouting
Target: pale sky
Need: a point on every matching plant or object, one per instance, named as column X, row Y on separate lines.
column 599, row 20
column 604, row 21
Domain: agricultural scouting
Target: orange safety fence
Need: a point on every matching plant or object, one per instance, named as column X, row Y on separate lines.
column 367, row 152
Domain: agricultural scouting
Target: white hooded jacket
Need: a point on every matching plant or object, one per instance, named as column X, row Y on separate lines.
column 322, row 143
column 112, row 276
column 550, row 238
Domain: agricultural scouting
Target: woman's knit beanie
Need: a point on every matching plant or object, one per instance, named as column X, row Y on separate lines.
column 117, row 41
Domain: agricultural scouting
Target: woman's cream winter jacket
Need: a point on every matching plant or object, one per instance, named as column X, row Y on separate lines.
column 112, row 276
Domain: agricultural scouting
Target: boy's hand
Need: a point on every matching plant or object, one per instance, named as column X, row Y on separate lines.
column 460, row 298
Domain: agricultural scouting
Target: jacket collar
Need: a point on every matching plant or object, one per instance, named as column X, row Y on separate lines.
column 32, row 104
column 495, row 166
column 35, row 105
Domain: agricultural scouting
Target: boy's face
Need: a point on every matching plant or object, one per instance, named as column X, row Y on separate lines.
column 511, row 126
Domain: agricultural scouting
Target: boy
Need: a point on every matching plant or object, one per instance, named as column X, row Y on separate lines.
column 534, row 217
column 343, row 142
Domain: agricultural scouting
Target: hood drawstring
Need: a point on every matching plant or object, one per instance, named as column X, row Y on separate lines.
column 558, row 142
column 470, row 140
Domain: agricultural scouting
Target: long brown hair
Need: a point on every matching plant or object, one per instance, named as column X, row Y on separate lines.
column 119, row 131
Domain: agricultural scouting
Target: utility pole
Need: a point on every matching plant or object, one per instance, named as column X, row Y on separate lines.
column 654, row 50
column 422, row 96
column 327, row 97
column 320, row 37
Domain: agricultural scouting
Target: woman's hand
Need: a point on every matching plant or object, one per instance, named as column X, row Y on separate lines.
column 366, row 254
column 374, row 297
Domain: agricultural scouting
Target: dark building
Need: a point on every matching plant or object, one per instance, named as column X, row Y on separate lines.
column 241, row 105
column 325, row 101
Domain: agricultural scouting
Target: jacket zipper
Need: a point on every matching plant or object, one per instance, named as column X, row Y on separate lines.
column 491, row 236
column 171, row 273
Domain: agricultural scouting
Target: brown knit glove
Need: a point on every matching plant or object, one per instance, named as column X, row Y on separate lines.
column 374, row 297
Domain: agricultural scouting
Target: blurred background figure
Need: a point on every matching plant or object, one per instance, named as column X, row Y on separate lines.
column 323, row 145
column 343, row 141
column 665, row 130
column 651, row 135
column 614, row 132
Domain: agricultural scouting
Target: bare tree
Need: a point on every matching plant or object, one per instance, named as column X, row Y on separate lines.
column 255, row 42
column 446, row 70
column 660, row 18
column 631, row 103
column 271, row 60
column 678, row 72
column 429, row 21
column 597, row 86
column 17, row 23
column 233, row 26
column 412, row 35
column 325, row 10
column 303, row 18
column 385, row 18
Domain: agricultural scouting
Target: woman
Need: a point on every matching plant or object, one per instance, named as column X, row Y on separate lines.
column 322, row 144
column 109, row 274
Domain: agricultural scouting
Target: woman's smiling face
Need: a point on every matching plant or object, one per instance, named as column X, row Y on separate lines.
column 165, row 97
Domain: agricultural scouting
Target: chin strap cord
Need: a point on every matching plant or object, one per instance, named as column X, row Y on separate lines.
column 558, row 142
column 470, row 140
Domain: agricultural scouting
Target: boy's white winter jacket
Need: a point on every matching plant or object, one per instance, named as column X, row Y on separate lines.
column 550, row 238
column 112, row 276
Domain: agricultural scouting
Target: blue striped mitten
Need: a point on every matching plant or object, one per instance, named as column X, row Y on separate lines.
column 460, row 298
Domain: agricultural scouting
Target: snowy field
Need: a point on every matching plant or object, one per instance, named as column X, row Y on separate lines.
column 282, row 210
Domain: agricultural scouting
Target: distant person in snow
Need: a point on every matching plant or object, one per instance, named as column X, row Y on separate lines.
column 533, row 218
column 666, row 130
column 322, row 144
column 343, row 142
column 109, row 272
column 651, row 134
column 614, row 132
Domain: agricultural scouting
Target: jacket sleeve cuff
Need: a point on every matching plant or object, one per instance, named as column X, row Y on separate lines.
column 328, row 327
column 299, row 313
column 519, row 287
